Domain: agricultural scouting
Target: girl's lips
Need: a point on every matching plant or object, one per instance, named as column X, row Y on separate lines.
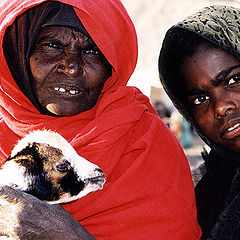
column 232, row 132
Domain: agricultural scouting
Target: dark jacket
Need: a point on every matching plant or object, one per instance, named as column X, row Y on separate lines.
column 215, row 193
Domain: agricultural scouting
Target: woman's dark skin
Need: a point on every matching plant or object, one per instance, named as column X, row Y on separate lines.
column 68, row 69
column 212, row 85
column 25, row 217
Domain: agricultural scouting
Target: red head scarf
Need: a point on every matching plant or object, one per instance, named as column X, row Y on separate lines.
column 148, row 193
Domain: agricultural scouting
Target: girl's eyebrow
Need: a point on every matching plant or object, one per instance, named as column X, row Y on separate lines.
column 223, row 74
column 195, row 91
column 216, row 82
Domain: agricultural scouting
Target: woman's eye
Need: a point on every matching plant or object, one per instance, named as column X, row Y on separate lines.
column 51, row 45
column 199, row 100
column 92, row 51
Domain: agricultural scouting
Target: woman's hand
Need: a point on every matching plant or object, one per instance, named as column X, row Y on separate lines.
column 23, row 216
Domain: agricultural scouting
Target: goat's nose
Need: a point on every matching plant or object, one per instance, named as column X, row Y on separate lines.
column 98, row 171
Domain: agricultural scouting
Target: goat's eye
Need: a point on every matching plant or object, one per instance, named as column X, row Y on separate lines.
column 63, row 166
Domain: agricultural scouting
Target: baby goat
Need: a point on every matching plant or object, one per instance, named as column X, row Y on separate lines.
column 46, row 166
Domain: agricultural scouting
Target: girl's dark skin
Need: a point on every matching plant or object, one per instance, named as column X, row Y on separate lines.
column 68, row 69
column 212, row 86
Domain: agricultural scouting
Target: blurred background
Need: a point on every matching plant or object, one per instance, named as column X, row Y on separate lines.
column 152, row 18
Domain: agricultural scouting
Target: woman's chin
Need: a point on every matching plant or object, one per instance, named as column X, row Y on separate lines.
column 67, row 108
column 62, row 110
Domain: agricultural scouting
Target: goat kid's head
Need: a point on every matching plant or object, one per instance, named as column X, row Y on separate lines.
column 46, row 166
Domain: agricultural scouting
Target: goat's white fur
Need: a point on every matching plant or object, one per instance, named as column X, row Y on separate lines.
column 17, row 176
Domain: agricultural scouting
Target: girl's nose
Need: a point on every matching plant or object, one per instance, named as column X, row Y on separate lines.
column 223, row 107
column 70, row 66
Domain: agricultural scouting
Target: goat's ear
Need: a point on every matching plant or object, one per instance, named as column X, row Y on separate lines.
column 30, row 149
column 42, row 189
column 29, row 157
column 63, row 166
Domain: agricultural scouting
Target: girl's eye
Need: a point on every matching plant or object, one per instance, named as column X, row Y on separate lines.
column 199, row 100
column 233, row 80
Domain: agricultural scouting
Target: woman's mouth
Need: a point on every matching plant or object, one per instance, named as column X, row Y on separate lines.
column 63, row 90
column 68, row 91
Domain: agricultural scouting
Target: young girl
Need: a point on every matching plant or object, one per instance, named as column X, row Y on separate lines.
column 200, row 70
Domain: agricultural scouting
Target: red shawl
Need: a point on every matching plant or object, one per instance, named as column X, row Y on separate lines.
column 149, row 192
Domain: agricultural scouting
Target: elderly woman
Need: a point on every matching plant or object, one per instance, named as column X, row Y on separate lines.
column 64, row 67
column 199, row 66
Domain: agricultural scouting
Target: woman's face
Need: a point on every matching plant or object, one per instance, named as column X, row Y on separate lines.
column 68, row 70
column 212, row 86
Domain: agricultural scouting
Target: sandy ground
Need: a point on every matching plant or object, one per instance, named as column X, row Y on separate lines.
column 152, row 18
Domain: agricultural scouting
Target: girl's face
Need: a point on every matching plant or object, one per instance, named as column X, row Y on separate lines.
column 212, row 86
column 68, row 70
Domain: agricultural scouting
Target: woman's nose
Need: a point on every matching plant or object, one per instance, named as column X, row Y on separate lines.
column 223, row 107
column 70, row 66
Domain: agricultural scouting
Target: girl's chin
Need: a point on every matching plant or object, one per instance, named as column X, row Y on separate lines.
column 233, row 145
